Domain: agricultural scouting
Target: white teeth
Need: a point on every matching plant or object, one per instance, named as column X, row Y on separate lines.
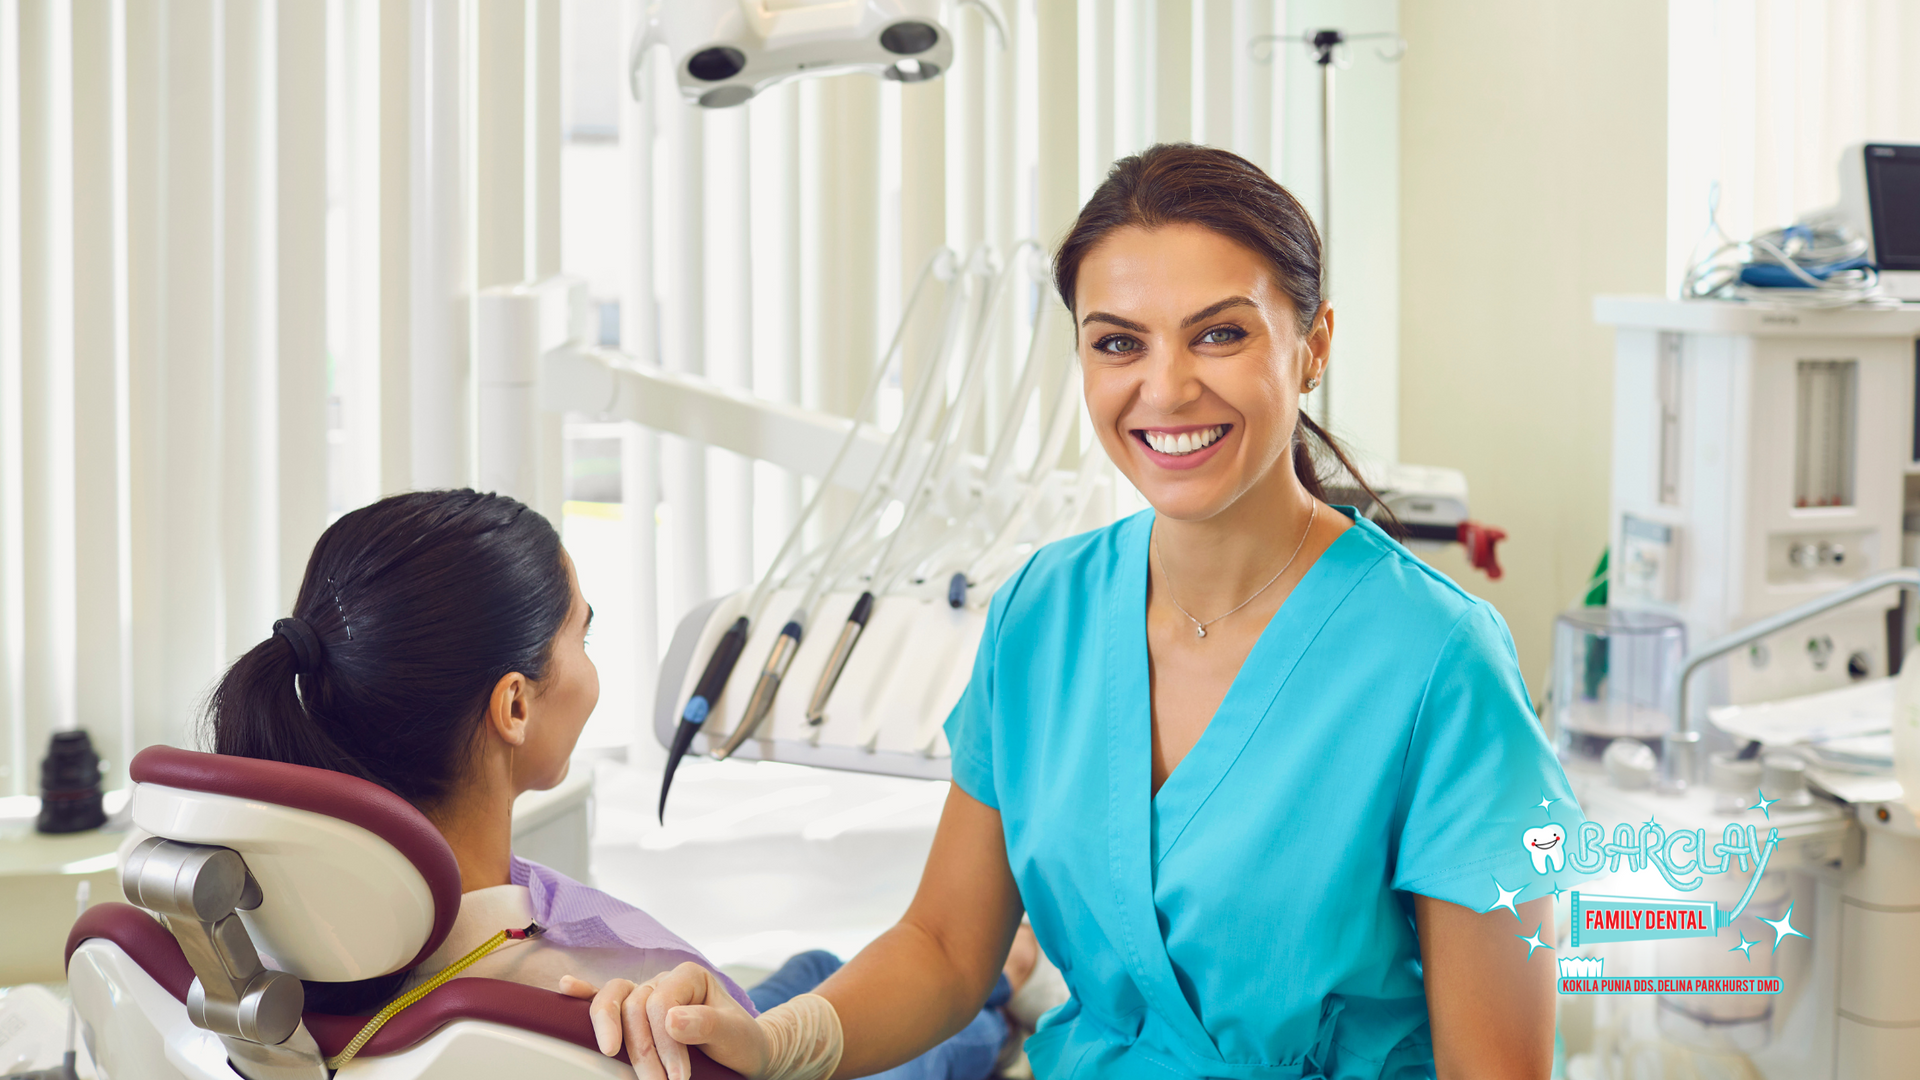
column 1186, row 442
column 1545, row 845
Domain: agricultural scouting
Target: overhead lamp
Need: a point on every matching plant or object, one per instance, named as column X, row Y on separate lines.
column 724, row 52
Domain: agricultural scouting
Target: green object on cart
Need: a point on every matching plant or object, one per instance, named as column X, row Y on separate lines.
column 1597, row 584
column 1594, row 670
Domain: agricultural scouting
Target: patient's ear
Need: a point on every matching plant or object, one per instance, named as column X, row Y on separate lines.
column 508, row 707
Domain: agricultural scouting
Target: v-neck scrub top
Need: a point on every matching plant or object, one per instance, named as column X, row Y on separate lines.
column 1254, row 918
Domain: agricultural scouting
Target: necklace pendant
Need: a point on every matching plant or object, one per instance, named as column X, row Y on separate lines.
column 1199, row 631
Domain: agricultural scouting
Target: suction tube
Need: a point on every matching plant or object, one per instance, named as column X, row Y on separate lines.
column 712, row 682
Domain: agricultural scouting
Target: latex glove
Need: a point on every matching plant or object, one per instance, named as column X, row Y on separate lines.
column 658, row 1019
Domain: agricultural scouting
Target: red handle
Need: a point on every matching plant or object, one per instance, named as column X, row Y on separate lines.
column 1479, row 540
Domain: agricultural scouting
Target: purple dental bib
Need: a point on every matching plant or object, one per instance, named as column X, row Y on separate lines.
column 582, row 917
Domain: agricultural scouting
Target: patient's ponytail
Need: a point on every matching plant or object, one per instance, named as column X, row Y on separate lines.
column 256, row 712
column 411, row 610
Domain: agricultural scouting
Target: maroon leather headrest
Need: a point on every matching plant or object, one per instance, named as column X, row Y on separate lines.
column 141, row 937
column 320, row 791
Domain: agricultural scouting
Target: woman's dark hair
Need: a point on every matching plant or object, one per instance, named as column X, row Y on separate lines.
column 1200, row 185
column 420, row 603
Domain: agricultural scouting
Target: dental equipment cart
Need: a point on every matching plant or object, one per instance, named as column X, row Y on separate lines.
column 1765, row 461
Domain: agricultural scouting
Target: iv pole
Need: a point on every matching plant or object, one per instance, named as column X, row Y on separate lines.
column 1325, row 45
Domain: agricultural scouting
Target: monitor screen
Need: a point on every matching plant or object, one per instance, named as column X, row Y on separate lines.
column 1893, row 194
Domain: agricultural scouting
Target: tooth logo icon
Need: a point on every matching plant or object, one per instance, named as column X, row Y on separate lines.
column 1547, row 845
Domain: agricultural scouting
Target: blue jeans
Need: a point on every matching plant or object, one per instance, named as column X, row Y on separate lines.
column 969, row 1055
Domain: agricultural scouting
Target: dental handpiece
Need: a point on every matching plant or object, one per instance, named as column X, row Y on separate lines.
column 712, row 681
column 837, row 661
column 761, row 703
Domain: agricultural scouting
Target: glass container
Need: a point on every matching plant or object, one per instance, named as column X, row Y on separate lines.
column 1613, row 677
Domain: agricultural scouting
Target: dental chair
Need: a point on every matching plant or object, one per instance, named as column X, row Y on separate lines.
column 263, row 874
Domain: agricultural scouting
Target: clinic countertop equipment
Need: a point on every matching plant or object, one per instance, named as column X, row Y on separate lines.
column 1684, row 740
column 1762, row 460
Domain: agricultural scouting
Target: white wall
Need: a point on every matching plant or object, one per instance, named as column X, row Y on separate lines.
column 1533, row 151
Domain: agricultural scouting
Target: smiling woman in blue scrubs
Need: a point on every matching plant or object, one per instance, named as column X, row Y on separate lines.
column 1258, row 776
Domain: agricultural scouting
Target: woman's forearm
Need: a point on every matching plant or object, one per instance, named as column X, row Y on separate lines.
column 901, row 996
column 925, row 979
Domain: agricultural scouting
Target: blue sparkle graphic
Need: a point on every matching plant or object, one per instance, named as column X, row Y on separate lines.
column 1505, row 899
column 1783, row 928
column 1533, row 942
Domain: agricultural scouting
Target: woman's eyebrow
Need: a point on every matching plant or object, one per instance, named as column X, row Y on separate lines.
column 1214, row 309
column 1124, row 324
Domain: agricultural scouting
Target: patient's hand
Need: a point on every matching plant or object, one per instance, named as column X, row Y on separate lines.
column 658, row 1019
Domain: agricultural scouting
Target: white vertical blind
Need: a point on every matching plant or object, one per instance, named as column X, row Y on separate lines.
column 46, row 376
column 299, row 226
column 102, row 570
column 438, row 226
column 639, row 337
column 248, row 459
column 393, row 299
column 217, row 219
column 146, row 557
column 681, row 150
column 178, row 631
column 14, row 755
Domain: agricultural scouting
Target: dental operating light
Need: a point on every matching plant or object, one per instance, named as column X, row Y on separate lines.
column 724, row 52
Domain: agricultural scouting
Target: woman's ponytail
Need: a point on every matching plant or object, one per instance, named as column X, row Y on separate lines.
column 261, row 715
column 1308, row 470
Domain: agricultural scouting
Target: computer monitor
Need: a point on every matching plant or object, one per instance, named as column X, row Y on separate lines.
column 1880, row 192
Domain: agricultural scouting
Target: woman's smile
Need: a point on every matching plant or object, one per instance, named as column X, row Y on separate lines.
column 1186, row 447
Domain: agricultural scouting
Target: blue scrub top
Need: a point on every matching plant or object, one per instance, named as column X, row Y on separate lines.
column 1254, row 918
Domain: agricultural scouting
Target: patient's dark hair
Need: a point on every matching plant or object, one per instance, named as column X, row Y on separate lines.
column 1219, row 190
column 421, row 603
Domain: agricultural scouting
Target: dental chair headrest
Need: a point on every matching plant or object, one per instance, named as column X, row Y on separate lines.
column 355, row 882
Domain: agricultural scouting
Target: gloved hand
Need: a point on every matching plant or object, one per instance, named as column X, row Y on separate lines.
column 658, row 1019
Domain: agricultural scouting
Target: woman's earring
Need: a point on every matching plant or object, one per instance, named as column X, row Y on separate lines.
column 1312, row 384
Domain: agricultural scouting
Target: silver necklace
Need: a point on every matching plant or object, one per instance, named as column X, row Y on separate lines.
column 1199, row 627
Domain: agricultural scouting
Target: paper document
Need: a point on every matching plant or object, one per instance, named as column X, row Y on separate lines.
column 1865, row 708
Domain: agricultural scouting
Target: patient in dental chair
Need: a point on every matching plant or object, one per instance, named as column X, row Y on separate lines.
column 438, row 648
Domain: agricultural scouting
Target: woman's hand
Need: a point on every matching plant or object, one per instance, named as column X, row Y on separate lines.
column 658, row 1019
